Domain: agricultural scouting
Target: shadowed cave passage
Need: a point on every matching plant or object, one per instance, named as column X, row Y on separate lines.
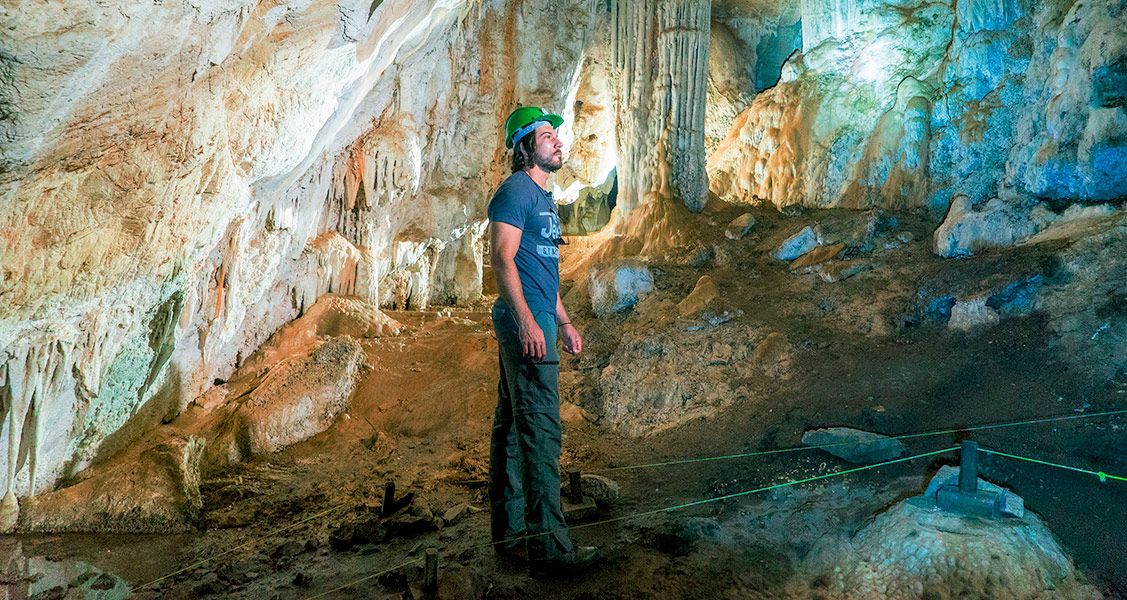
column 246, row 284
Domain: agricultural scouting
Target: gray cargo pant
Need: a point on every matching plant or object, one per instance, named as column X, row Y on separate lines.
column 524, row 453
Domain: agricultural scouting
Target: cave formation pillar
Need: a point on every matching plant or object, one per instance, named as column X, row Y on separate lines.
column 661, row 57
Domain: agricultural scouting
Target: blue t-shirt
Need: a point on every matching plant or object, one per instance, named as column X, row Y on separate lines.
column 522, row 203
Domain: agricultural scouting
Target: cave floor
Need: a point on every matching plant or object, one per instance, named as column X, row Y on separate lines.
column 421, row 417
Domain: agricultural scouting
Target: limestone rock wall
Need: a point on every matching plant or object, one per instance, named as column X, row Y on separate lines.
column 182, row 179
column 913, row 103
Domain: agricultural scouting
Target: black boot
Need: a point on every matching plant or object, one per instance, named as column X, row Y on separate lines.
column 579, row 559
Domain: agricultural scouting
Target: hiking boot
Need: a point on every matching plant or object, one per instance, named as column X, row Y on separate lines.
column 579, row 559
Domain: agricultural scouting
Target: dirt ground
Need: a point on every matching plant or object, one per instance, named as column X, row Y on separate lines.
column 869, row 352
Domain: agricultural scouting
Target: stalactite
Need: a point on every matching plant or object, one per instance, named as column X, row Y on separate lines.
column 30, row 377
column 661, row 53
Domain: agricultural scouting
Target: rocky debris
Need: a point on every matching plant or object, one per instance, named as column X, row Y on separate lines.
column 366, row 531
column 913, row 551
column 644, row 389
column 682, row 535
column 704, row 292
column 455, row 513
column 809, row 262
column 773, row 355
column 289, row 549
column 207, row 585
column 336, row 315
column 1018, row 299
column 971, row 314
column 800, row 243
column 854, row 445
column 877, row 228
column 460, row 582
column 835, row 271
column 410, row 525
column 740, row 226
column 617, row 286
column 574, row 414
column 603, row 490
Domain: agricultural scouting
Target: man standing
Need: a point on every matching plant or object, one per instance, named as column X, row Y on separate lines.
column 524, row 478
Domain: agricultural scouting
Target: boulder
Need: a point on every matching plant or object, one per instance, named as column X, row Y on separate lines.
column 617, row 286
column 800, row 243
column 837, row 270
column 298, row 398
column 966, row 230
column 142, row 490
column 971, row 314
column 807, row 262
column 455, row 513
column 854, row 445
column 773, row 355
column 704, row 292
column 740, row 226
column 603, row 490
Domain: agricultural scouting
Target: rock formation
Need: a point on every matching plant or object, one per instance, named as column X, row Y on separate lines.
column 904, row 108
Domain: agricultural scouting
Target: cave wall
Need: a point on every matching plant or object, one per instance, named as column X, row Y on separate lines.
column 182, row 179
column 914, row 103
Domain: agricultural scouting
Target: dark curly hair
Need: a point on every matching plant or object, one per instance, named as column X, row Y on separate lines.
column 523, row 152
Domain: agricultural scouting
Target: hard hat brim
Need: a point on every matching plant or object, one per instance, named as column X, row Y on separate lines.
column 554, row 120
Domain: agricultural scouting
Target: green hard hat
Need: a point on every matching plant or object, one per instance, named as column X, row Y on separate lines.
column 525, row 116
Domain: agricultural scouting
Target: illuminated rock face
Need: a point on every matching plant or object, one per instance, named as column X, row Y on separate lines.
column 916, row 104
column 176, row 193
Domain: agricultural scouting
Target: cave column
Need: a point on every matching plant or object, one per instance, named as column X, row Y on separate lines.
column 661, row 58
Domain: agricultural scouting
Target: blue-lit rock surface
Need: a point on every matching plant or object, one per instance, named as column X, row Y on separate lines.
column 917, row 103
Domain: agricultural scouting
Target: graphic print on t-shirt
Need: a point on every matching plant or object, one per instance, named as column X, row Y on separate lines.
column 551, row 232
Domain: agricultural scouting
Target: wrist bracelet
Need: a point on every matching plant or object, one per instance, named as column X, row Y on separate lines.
column 562, row 324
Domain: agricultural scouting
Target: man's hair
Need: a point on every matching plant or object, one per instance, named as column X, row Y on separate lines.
column 523, row 152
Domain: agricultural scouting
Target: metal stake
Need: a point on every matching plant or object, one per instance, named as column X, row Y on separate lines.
column 430, row 572
column 968, row 467
column 388, row 499
column 576, row 495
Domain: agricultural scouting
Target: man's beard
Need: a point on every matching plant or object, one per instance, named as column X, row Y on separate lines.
column 547, row 163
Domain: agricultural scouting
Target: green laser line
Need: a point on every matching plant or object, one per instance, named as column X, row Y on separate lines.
column 897, row 437
column 240, row 546
column 1103, row 476
column 661, row 510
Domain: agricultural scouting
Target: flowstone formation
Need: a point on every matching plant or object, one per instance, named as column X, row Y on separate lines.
column 917, row 551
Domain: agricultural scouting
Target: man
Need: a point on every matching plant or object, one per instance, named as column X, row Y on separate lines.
column 524, row 479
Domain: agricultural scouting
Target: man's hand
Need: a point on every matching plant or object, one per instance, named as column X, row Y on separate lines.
column 572, row 343
column 532, row 339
